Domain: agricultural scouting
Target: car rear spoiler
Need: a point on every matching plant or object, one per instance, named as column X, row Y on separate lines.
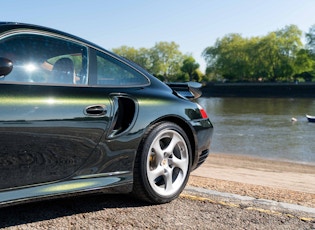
column 189, row 90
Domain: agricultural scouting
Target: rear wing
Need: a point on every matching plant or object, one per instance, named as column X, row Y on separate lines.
column 189, row 90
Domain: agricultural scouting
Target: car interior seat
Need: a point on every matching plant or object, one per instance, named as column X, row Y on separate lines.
column 63, row 71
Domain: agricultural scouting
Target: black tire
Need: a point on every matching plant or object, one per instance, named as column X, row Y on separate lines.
column 163, row 163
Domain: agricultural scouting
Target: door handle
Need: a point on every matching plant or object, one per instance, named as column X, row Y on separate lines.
column 95, row 110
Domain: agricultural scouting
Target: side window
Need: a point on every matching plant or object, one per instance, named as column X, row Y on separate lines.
column 111, row 72
column 44, row 59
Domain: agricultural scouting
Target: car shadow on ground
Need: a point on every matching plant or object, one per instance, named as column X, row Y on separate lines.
column 55, row 208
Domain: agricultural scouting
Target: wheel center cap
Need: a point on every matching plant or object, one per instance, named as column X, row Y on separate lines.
column 164, row 162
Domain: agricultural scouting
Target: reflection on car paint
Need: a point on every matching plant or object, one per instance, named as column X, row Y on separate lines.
column 75, row 117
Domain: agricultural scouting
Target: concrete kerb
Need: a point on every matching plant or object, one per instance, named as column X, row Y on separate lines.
column 251, row 203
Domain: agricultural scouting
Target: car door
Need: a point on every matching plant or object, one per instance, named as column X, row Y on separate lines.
column 51, row 121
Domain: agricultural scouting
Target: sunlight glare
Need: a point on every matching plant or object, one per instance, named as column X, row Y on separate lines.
column 30, row 67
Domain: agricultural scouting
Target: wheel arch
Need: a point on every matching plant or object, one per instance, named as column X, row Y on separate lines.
column 187, row 129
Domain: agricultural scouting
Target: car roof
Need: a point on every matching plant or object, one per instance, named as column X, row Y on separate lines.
column 17, row 25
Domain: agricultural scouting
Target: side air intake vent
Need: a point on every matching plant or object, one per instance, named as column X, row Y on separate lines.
column 125, row 112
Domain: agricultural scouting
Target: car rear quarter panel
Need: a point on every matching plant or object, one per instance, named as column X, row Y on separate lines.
column 155, row 105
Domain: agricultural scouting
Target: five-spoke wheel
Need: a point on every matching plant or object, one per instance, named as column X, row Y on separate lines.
column 163, row 163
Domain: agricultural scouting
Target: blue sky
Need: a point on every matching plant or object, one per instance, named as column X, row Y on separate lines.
column 193, row 25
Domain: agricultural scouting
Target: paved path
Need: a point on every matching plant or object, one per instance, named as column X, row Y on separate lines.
column 283, row 175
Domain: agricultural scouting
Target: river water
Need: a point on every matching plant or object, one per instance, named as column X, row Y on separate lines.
column 262, row 127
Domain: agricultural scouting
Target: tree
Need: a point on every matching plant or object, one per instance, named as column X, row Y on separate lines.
column 304, row 62
column 270, row 57
column 163, row 60
column 190, row 67
column 139, row 56
column 228, row 57
column 310, row 46
column 278, row 51
column 310, row 39
column 166, row 59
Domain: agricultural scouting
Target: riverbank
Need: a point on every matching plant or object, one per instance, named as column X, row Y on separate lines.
column 291, row 90
column 256, row 177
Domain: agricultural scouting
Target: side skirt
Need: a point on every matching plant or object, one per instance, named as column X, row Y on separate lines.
column 111, row 184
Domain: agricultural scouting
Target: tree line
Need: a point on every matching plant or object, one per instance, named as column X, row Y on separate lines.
column 165, row 61
column 279, row 56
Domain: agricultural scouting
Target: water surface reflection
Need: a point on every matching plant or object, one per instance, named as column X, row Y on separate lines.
column 262, row 127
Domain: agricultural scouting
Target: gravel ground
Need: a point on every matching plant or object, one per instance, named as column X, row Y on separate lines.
column 189, row 211
column 256, row 191
column 121, row 212
column 260, row 178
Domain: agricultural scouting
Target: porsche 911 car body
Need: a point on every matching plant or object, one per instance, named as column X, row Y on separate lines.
column 76, row 118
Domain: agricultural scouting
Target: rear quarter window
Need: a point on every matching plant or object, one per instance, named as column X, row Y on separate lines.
column 112, row 72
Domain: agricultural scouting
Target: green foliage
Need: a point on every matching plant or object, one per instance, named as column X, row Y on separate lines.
column 164, row 60
column 139, row 56
column 278, row 56
column 310, row 38
column 229, row 57
column 190, row 66
column 310, row 53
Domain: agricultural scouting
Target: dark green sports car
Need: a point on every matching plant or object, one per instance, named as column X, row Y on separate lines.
column 76, row 118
